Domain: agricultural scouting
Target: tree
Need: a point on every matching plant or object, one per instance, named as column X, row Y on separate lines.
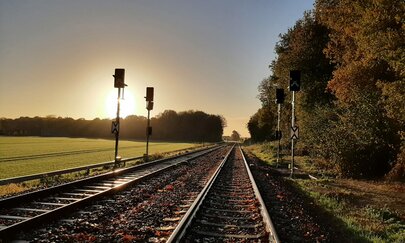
column 366, row 44
column 350, row 107
column 262, row 125
column 235, row 136
column 301, row 48
column 193, row 126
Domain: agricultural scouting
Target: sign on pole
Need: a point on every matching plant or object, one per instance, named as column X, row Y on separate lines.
column 115, row 127
column 295, row 85
column 294, row 132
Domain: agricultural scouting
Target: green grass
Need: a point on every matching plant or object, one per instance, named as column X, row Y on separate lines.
column 266, row 152
column 76, row 152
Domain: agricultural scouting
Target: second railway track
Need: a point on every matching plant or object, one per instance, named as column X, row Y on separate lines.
column 23, row 212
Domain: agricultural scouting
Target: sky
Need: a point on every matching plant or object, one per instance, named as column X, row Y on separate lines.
column 58, row 57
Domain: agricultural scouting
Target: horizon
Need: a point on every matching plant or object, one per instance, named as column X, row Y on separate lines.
column 58, row 58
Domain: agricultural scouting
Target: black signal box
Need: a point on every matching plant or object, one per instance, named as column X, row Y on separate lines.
column 279, row 96
column 119, row 77
column 149, row 105
column 149, row 131
column 295, row 80
column 149, row 94
column 278, row 135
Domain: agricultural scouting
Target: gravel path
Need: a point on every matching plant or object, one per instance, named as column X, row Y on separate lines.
column 294, row 215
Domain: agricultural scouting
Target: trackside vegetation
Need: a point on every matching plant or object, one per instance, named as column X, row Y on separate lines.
column 350, row 109
column 360, row 210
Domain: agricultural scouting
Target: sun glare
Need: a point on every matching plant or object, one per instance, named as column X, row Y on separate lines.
column 127, row 105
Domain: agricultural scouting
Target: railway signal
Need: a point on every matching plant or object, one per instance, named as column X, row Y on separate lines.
column 295, row 80
column 119, row 83
column 119, row 77
column 295, row 85
column 280, row 96
column 149, row 94
column 149, row 107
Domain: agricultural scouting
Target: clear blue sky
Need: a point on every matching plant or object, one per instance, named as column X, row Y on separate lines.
column 57, row 57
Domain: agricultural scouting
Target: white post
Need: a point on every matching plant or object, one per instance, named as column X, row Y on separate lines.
column 293, row 126
column 278, row 132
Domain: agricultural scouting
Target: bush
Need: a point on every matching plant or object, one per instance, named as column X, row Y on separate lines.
column 397, row 173
column 358, row 139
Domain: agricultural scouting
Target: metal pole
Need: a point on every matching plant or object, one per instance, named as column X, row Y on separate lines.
column 118, row 125
column 278, row 133
column 292, row 125
column 147, row 136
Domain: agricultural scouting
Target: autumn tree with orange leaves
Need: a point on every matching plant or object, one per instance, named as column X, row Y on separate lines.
column 351, row 108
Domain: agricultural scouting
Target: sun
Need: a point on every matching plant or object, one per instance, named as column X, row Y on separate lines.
column 127, row 105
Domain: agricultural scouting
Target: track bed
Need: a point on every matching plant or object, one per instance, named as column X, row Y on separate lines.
column 230, row 210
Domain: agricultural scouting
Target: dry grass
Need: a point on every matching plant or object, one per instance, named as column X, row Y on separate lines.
column 372, row 210
column 11, row 189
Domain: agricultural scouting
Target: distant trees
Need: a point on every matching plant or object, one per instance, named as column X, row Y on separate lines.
column 235, row 136
column 262, row 124
column 188, row 126
column 194, row 126
column 351, row 105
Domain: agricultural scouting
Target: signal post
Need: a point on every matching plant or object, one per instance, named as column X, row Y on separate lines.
column 119, row 83
column 295, row 85
column 279, row 100
column 149, row 107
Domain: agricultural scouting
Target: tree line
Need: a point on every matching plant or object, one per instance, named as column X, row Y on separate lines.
column 192, row 126
column 350, row 109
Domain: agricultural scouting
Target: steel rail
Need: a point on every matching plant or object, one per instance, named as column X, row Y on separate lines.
column 265, row 214
column 189, row 217
column 110, row 183
column 185, row 222
column 20, row 179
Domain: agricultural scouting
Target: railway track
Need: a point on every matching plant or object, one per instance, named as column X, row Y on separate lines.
column 229, row 209
column 23, row 212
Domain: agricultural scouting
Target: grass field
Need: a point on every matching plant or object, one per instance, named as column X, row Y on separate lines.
column 30, row 155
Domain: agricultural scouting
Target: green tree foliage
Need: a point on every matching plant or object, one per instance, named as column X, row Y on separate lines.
column 300, row 48
column 193, row 126
column 257, row 133
column 263, row 123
